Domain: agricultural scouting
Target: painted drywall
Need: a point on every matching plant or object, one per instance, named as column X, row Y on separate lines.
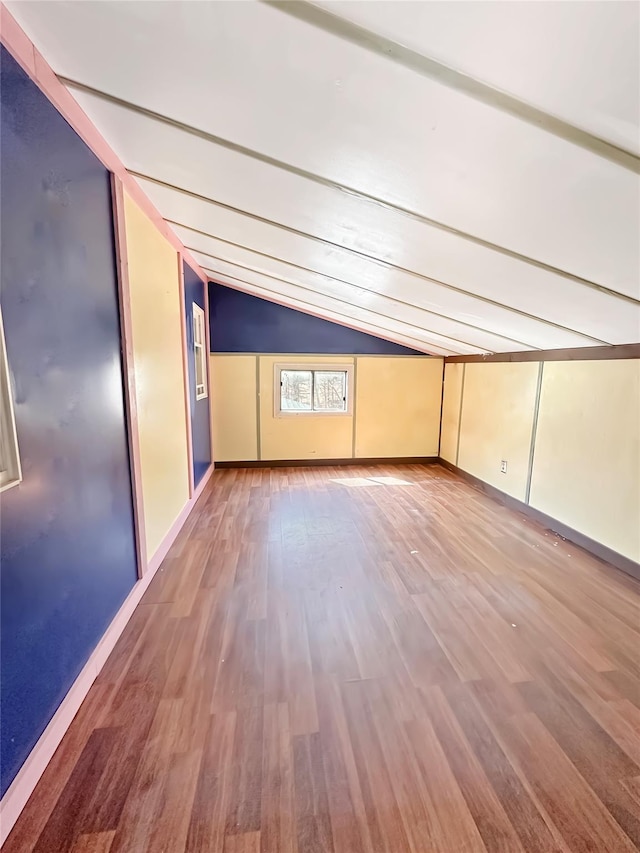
column 241, row 322
column 451, row 400
column 157, row 353
column 398, row 406
column 194, row 293
column 67, row 536
column 234, row 407
column 498, row 402
column 396, row 410
column 300, row 436
column 586, row 464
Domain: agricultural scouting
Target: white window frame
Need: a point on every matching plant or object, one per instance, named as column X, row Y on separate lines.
column 10, row 470
column 199, row 351
column 311, row 367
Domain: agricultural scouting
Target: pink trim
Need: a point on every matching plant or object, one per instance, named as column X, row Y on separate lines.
column 29, row 774
column 131, row 400
column 208, row 334
column 291, row 304
column 36, row 66
column 185, row 370
column 169, row 539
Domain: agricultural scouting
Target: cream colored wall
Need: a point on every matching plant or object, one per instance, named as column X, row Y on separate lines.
column 498, row 402
column 396, row 409
column 307, row 436
column 453, row 374
column 157, row 354
column 234, row 407
column 586, row 467
column 397, row 406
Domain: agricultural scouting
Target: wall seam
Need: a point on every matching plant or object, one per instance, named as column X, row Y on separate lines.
column 534, row 431
column 464, row 370
column 355, row 405
column 258, row 423
column 444, row 365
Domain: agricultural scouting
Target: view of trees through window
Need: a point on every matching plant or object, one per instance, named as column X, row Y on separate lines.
column 313, row 390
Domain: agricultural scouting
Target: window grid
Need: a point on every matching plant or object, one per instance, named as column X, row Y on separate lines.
column 312, row 389
column 199, row 329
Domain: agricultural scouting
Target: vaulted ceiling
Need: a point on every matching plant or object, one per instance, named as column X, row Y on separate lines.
column 458, row 177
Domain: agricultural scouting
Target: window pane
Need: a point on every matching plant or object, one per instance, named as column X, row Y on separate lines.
column 199, row 367
column 330, row 391
column 295, row 390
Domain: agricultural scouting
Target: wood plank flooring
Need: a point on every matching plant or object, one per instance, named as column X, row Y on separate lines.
column 358, row 660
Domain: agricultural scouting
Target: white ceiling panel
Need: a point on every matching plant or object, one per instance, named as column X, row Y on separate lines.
column 579, row 61
column 254, row 74
column 415, row 303
column 234, row 179
column 234, row 227
column 359, row 185
column 385, row 306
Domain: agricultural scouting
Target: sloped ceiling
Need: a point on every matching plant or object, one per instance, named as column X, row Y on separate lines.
column 459, row 177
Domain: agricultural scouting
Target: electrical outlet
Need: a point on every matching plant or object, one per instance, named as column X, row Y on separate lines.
column 503, row 466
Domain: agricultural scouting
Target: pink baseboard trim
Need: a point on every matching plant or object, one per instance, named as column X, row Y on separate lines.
column 167, row 542
column 29, row 774
column 20, row 46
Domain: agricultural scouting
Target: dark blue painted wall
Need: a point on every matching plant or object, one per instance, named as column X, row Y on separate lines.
column 200, row 429
column 244, row 323
column 67, row 556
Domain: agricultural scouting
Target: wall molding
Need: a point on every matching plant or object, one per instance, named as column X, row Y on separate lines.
column 36, row 763
column 327, row 354
column 329, row 463
column 596, row 549
column 128, row 370
column 614, row 351
column 185, row 370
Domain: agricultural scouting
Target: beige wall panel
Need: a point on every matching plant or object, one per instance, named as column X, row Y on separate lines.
column 160, row 392
column 233, row 408
column 398, row 406
column 453, row 374
column 497, row 416
column 586, row 470
column 306, row 436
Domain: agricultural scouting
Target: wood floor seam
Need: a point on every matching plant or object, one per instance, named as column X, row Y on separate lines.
column 379, row 659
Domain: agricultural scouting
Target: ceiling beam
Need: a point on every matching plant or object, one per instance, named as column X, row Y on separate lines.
column 334, row 25
column 343, row 188
column 379, row 261
column 377, row 293
column 470, row 295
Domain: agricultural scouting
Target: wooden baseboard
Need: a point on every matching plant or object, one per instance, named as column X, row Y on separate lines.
column 29, row 774
column 596, row 549
column 312, row 463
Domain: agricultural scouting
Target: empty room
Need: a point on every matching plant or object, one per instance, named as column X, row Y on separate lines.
column 320, row 426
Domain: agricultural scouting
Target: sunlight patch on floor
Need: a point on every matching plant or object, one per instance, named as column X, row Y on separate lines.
column 359, row 482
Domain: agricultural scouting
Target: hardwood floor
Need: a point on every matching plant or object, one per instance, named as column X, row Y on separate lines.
column 358, row 660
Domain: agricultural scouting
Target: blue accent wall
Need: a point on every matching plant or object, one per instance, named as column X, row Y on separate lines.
column 67, row 558
column 200, row 428
column 241, row 322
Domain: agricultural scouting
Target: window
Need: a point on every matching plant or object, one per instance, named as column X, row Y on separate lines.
column 200, row 351
column 312, row 389
column 10, row 474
